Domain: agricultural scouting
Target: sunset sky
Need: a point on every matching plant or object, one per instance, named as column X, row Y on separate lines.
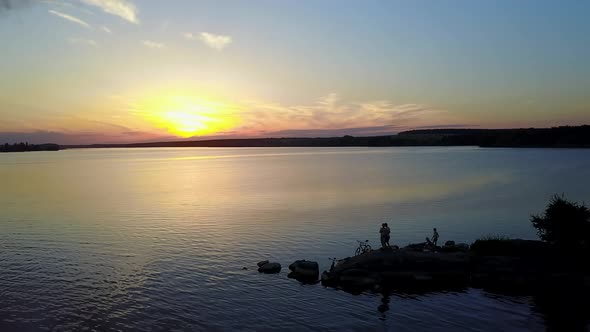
column 98, row 71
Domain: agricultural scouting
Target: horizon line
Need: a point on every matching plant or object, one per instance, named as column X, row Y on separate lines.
column 206, row 139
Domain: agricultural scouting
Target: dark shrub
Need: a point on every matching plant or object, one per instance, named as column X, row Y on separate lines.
column 564, row 224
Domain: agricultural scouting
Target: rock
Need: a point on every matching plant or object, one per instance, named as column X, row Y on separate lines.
column 304, row 265
column 399, row 268
column 262, row 263
column 244, row 268
column 451, row 246
column 329, row 278
column 270, row 268
column 358, row 279
column 415, row 246
column 464, row 247
column 303, row 270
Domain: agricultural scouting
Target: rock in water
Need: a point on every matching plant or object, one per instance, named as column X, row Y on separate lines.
column 261, row 263
column 303, row 270
column 270, row 268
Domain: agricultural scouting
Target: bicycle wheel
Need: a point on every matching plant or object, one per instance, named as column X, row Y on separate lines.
column 358, row 251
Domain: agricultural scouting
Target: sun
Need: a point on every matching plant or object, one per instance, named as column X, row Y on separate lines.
column 188, row 116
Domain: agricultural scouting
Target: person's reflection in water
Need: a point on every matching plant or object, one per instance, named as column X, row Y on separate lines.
column 384, row 306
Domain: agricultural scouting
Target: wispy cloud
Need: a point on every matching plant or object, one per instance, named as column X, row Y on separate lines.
column 122, row 8
column 106, row 29
column 189, row 35
column 152, row 44
column 83, row 41
column 330, row 115
column 65, row 5
column 217, row 42
column 70, row 18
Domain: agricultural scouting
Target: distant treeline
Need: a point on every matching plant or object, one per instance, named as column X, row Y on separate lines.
column 23, row 147
column 568, row 136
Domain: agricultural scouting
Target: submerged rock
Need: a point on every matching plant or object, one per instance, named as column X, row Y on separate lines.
column 262, row 263
column 270, row 268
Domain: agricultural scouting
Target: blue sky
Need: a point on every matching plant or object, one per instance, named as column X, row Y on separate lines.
column 113, row 70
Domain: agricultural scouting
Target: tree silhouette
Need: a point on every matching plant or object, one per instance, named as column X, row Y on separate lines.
column 565, row 224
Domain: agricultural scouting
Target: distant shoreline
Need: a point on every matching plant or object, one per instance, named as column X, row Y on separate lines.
column 26, row 147
column 556, row 137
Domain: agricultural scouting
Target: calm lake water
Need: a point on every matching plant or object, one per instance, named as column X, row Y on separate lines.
column 156, row 239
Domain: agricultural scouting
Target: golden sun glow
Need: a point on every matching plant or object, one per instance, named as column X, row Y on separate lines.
column 188, row 116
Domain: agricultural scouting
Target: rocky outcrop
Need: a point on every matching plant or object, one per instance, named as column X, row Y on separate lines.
column 498, row 264
column 269, row 267
column 304, row 271
column 399, row 268
column 262, row 263
column 450, row 246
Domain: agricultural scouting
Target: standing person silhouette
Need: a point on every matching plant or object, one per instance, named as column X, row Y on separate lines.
column 384, row 231
column 434, row 237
